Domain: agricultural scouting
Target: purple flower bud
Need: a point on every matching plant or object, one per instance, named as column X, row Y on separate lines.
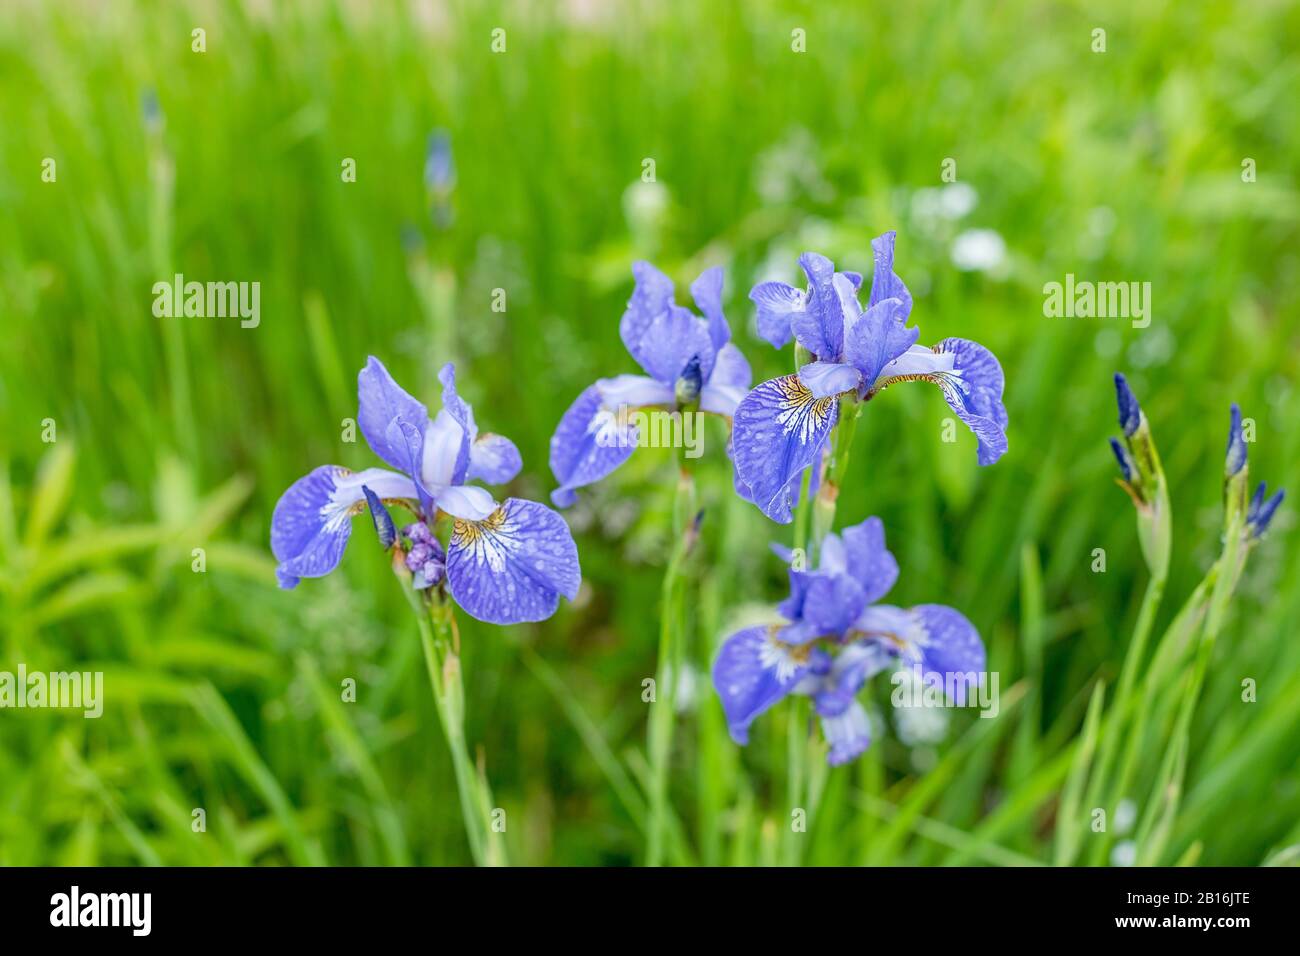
column 1236, row 456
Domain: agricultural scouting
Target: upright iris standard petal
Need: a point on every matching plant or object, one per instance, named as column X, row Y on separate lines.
column 820, row 327
column 460, row 413
column 777, row 304
column 778, row 431
column 868, row 560
column 753, row 672
column 588, row 444
column 514, row 565
column 707, row 293
column 381, row 402
column 885, row 284
column 652, row 294
column 661, row 335
column 728, row 383
column 493, row 459
column 312, row 520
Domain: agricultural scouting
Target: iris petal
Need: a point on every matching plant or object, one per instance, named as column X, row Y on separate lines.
column 752, row 673
column 951, row 646
column 848, row 732
column 514, row 565
column 707, row 293
column 652, row 295
column 820, row 328
column 588, row 444
column 884, row 283
column 778, row 431
column 728, row 384
column 972, row 386
column 827, row 379
column 493, row 459
column 868, row 560
column 381, row 401
column 312, row 522
column 467, row 502
column 878, row 338
column 777, row 303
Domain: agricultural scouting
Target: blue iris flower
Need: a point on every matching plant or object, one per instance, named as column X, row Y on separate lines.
column 690, row 363
column 781, row 427
column 837, row 637
column 505, row 562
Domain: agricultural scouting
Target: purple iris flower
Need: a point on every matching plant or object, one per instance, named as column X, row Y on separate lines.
column 504, row 562
column 837, row 637
column 690, row 361
column 781, row 427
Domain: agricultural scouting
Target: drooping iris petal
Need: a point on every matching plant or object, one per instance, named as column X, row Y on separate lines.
column 878, row 337
column 820, row 327
column 493, row 459
column 778, row 430
column 868, row 560
column 884, row 283
column 951, row 650
column 846, row 728
column 514, row 565
column 777, row 302
column 588, row 444
column 707, row 293
column 312, row 520
column 975, row 394
column 753, row 672
column 728, row 384
column 467, row 502
column 381, row 401
column 936, row 640
column 828, row 379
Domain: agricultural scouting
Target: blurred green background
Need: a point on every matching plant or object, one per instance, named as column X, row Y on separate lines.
column 222, row 692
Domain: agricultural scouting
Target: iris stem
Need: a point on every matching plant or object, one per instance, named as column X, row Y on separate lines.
column 441, row 645
column 672, row 627
column 1132, row 661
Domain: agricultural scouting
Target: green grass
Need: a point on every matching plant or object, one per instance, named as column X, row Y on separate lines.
column 222, row 692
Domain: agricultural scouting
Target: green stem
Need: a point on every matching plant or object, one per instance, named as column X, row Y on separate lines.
column 672, row 626
column 1128, row 673
column 442, row 661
